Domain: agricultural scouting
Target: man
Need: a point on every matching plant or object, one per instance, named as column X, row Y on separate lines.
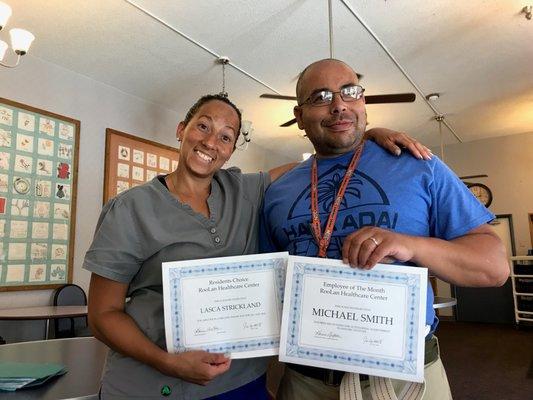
column 389, row 208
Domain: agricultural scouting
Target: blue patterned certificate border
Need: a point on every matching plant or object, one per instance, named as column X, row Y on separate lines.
column 177, row 274
column 408, row 365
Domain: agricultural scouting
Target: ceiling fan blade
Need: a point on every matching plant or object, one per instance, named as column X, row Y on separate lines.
column 277, row 96
column 474, row 176
column 371, row 99
column 390, row 98
column 288, row 123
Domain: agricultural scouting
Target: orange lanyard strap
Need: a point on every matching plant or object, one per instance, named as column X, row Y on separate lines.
column 323, row 241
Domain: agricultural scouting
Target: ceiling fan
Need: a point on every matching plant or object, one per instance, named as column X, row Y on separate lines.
column 372, row 99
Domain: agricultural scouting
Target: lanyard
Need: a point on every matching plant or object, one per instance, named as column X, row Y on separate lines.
column 323, row 241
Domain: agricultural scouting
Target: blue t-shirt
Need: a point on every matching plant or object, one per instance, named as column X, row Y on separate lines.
column 403, row 194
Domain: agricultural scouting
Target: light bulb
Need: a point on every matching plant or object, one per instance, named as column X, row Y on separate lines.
column 3, row 48
column 5, row 13
column 246, row 126
column 21, row 40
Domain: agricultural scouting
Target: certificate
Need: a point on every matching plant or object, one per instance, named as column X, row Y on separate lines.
column 225, row 305
column 365, row 321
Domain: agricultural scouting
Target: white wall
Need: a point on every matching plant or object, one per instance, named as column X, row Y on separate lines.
column 508, row 162
column 98, row 106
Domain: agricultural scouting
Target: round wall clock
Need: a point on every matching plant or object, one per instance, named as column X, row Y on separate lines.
column 482, row 193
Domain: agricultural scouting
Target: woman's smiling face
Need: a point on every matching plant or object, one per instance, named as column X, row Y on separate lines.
column 208, row 140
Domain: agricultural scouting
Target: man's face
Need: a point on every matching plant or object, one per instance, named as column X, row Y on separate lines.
column 336, row 128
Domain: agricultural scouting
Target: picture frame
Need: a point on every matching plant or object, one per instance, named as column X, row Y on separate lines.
column 39, row 153
column 503, row 226
column 131, row 160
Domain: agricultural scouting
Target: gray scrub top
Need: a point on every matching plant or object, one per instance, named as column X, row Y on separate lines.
column 145, row 226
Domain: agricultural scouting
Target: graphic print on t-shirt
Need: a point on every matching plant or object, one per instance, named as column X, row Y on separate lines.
column 365, row 203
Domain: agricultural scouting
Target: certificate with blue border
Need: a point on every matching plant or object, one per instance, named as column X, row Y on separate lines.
column 225, row 305
column 363, row 321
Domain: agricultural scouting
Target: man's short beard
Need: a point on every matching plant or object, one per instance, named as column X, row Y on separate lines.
column 327, row 149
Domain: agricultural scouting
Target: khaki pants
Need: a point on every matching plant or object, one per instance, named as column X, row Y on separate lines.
column 295, row 386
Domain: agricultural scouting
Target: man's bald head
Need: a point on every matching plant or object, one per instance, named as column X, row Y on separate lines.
column 303, row 74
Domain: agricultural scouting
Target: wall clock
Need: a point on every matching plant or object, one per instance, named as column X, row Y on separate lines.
column 481, row 192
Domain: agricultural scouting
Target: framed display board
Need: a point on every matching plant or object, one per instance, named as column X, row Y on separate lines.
column 38, row 178
column 131, row 161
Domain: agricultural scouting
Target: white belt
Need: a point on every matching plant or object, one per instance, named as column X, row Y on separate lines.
column 380, row 389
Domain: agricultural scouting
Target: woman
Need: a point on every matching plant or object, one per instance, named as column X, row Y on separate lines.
column 197, row 211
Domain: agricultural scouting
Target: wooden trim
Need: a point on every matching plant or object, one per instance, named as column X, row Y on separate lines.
column 530, row 215
column 32, row 287
column 73, row 201
column 140, row 139
column 509, row 217
column 40, row 111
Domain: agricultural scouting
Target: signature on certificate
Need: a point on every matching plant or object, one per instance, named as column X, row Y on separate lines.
column 207, row 329
column 372, row 342
column 327, row 335
column 251, row 327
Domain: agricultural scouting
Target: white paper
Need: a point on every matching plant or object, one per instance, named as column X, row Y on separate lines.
column 341, row 318
column 225, row 305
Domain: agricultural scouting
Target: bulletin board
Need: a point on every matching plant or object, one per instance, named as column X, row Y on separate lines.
column 38, row 180
column 131, row 161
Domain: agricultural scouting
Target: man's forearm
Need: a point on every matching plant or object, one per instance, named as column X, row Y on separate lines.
column 476, row 259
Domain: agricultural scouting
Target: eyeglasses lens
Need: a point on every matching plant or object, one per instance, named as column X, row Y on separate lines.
column 320, row 98
column 323, row 97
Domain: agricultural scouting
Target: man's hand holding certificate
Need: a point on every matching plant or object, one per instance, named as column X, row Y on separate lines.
column 354, row 320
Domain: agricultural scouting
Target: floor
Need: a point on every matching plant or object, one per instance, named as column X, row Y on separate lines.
column 487, row 361
column 483, row 361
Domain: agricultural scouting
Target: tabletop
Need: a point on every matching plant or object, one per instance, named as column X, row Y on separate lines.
column 83, row 357
column 43, row 312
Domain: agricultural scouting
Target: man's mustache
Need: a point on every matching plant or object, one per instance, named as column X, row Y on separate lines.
column 341, row 118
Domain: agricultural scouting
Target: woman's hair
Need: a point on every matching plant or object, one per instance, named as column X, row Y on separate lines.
column 206, row 99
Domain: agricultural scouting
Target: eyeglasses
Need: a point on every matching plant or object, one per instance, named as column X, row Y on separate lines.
column 325, row 97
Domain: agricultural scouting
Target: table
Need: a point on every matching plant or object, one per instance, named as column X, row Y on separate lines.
column 44, row 312
column 83, row 357
column 443, row 302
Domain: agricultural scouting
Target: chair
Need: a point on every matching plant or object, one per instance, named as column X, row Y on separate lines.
column 70, row 295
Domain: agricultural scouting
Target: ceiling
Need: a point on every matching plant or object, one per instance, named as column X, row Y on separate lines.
column 477, row 53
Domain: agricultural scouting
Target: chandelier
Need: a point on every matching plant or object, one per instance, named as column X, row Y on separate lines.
column 20, row 39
